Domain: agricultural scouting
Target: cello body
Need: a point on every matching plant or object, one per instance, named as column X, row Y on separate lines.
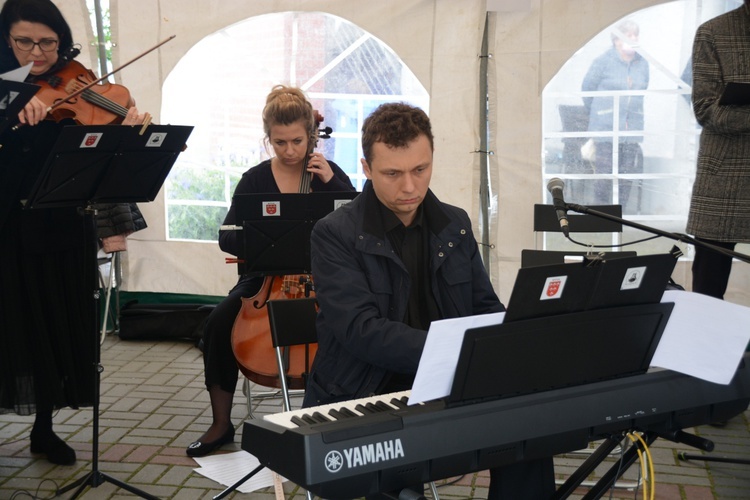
column 251, row 335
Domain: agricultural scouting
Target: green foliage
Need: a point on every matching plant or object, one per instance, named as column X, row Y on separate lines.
column 195, row 222
column 186, row 183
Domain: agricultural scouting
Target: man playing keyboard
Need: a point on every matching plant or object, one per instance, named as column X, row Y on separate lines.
column 388, row 264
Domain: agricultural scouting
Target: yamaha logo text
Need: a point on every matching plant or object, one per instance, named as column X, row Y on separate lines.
column 358, row 456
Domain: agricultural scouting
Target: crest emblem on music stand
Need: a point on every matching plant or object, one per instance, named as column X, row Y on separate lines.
column 91, row 140
column 553, row 287
column 271, row 208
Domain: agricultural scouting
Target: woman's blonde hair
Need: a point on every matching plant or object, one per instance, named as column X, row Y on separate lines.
column 287, row 105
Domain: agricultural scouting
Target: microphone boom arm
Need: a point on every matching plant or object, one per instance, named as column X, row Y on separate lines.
column 674, row 236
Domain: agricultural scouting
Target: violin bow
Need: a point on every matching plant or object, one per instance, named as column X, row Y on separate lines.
column 91, row 84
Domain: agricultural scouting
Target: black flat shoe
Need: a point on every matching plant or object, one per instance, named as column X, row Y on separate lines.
column 57, row 451
column 200, row 449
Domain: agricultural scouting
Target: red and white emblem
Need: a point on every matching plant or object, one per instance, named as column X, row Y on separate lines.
column 91, row 140
column 271, row 208
column 553, row 287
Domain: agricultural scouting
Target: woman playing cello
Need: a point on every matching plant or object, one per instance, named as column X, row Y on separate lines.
column 46, row 299
column 291, row 128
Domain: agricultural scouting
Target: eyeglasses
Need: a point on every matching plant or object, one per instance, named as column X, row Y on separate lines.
column 27, row 44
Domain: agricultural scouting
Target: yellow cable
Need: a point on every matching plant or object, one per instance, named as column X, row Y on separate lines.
column 651, row 478
column 642, row 462
column 651, row 466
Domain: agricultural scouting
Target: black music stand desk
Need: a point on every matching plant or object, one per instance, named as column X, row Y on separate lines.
column 105, row 164
column 276, row 229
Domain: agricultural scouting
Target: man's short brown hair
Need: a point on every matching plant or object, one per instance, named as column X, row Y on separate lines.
column 395, row 124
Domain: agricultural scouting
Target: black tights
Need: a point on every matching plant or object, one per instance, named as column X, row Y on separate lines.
column 711, row 269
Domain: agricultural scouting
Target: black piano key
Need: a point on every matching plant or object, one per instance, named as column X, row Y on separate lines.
column 342, row 413
column 363, row 409
column 307, row 419
column 400, row 402
column 377, row 408
column 320, row 418
column 298, row 421
column 383, row 406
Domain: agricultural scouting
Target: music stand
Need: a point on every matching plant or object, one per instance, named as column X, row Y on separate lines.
column 556, row 351
column 112, row 164
column 276, row 229
column 13, row 97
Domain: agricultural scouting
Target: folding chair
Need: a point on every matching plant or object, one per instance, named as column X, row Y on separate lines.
column 292, row 323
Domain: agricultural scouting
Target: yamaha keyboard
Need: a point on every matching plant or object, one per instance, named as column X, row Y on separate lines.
column 340, row 451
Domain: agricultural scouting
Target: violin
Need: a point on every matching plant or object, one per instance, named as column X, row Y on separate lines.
column 74, row 80
column 97, row 104
column 251, row 333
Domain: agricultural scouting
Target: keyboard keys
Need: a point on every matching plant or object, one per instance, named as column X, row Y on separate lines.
column 340, row 411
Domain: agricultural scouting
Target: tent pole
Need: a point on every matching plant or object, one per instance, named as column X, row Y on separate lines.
column 101, row 46
column 484, row 149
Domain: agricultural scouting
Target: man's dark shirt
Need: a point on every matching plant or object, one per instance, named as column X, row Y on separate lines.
column 411, row 244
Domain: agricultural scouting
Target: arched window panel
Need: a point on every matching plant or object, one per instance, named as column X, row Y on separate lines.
column 221, row 84
column 618, row 125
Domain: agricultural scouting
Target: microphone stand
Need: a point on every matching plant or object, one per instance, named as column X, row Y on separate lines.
column 674, row 236
column 687, row 239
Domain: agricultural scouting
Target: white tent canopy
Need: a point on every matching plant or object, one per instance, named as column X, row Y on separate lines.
column 440, row 41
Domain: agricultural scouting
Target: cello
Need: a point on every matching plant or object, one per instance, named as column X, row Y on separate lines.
column 251, row 335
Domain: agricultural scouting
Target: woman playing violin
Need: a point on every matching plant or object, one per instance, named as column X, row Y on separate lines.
column 46, row 275
column 291, row 128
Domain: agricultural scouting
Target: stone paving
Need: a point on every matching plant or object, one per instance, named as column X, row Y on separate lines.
column 153, row 404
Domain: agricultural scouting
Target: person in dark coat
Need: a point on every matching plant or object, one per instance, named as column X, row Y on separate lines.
column 720, row 203
column 388, row 264
column 619, row 68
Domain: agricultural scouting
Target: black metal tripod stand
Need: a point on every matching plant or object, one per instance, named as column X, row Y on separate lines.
column 96, row 477
column 104, row 164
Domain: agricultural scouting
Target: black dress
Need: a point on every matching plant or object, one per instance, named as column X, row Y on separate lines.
column 47, row 280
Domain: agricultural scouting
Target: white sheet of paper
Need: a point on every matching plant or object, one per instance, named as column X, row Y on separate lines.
column 437, row 366
column 18, row 74
column 705, row 337
column 228, row 468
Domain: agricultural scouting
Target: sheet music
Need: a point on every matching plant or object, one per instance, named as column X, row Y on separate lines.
column 705, row 337
column 440, row 355
column 18, row 74
column 228, row 468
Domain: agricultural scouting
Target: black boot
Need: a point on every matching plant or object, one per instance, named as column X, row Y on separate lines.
column 45, row 441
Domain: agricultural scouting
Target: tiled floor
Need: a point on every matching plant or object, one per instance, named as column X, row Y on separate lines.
column 153, row 404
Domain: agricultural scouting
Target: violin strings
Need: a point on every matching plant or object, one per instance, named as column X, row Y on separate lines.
column 91, row 96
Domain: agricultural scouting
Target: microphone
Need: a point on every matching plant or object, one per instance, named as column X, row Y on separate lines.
column 555, row 187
